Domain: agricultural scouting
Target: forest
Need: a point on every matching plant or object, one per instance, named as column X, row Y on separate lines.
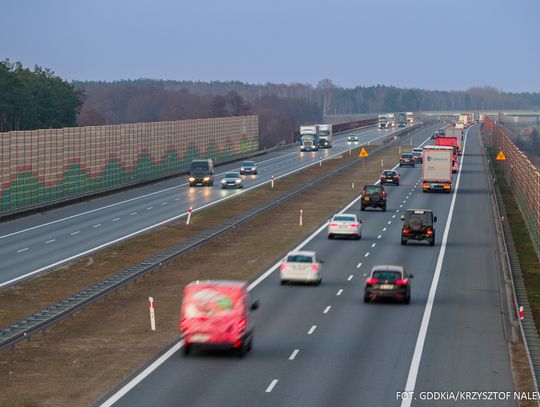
column 36, row 99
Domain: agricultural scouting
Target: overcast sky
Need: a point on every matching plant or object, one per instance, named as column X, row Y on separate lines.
column 428, row 44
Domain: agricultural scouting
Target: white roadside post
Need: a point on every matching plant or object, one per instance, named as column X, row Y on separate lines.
column 301, row 217
column 189, row 215
column 152, row 314
column 382, row 163
column 320, row 161
column 352, row 185
column 272, row 181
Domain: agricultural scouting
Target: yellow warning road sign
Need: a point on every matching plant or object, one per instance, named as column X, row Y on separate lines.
column 363, row 153
column 501, row 156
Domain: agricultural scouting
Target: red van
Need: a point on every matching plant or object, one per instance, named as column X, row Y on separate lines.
column 216, row 314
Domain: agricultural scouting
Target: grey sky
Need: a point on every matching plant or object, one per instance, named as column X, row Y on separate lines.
column 429, row 44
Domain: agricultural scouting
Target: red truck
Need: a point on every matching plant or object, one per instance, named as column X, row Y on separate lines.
column 448, row 142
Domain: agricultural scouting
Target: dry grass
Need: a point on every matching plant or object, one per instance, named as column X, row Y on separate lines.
column 80, row 359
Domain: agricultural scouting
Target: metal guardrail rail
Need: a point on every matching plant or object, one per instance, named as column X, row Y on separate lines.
column 40, row 321
column 528, row 329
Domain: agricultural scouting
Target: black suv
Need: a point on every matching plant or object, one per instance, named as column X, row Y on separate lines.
column 418, row 225
column 406, row 159
column 373, row 196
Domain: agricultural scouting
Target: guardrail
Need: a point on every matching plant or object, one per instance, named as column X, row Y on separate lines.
column 40, row 321
column 527, row 327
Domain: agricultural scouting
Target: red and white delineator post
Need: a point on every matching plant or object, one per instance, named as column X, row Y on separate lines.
column 190, row 210
column 152, row 314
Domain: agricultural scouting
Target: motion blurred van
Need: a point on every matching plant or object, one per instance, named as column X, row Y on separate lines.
column 201, row 172
column 217, row 314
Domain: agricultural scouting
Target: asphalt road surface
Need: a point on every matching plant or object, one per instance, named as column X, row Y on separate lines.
column 36, row 243
column 322, row 346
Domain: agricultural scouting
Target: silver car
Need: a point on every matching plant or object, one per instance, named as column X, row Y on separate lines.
column 248, row 167
column 232, row 180
column 352, row 139
column 345, row 224
column 301, row 266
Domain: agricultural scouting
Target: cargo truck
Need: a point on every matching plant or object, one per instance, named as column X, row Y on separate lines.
column 402, row 120
column 326, row 137
column 456, row 132
column 391, row 120
column 437, row 169
column 410, row 118
column 383, row 121
column 309, row 138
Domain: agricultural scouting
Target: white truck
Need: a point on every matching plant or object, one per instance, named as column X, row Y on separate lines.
column 437, row 166
column 383, row 121
column 410, row 118
column 309, row 138
column 326, row 137
column 391, row 120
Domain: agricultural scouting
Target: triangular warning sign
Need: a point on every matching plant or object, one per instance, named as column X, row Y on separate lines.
column 363, row 153
column 501, row 156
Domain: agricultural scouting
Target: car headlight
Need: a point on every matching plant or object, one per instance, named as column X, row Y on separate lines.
column 191, row 179
column 206, row 179
column 238, row 181
column 242, row 169
column 223, row 181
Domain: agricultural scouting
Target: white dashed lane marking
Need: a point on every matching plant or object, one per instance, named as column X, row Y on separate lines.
column 339, row 292
column 359, row 265
column 133, row 213
column 75, row 233
column 328, row 308
column 115, row 219
column 293, row 355
column 22, row 250
column 271, row 386
column 378, row 237
column 384, row 229
column 350, row 277
column 367, row 254
column 149, row 208
column 312, row 329
column 96, row 226
column 373, row 245
column 50, row 241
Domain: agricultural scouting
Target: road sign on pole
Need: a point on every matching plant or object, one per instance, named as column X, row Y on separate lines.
column 501, row 156
column 363, row 153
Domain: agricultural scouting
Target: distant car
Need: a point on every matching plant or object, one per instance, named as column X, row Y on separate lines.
column 373, row 196
column 301, row 266
column 406, row 159
column 417, row 155
column 345, row 224
column 352, row 139
column 418, row 225
column 390, row 177
column 248, row 167
column 388, row 281
column 455, row 166
column 216, row 314
column 232, row 180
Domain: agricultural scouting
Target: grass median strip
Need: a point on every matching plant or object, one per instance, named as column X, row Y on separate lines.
column 111, row 338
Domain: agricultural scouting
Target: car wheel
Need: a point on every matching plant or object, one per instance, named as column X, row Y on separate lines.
column 330, row 236
column 282, row 282
column 407, row 299
column 384, row 208
column 357, row 237
column 362, row 208
column 400, row 165
column 432, row 242
column 319, row 281
column 403, row 242
column 186, row 350
column 242, row 350
column 366, row 298
column 255, row 173
column 397, row 183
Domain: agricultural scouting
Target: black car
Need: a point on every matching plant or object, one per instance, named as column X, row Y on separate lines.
column 406, row 159
column 373, row 196
column 201, row 172
column 418, row 225
column 248, row 167
column 388, row 282
column 390, row 177
column 417, row 155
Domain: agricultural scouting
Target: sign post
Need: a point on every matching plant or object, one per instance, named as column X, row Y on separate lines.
column 362, row 155
column 189, row 215
column 152, row 314
column 272, row 181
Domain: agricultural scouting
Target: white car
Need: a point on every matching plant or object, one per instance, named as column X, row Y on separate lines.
column 301, row 266
column 232, row 180
column 345, row 224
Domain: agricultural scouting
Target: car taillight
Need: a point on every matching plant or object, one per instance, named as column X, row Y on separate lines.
column 363, row 192
column 334, row 224
column 314, row 268
column 383, row 193
column 425, row 186
column 283, row 266
column 353, row 225
column 405, row 231
column 401, row 282
column 395, row 176
column 242, row 324
column 371, row 280
column 430, row 232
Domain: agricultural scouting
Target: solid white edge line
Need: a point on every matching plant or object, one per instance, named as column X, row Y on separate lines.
column 419, row 347
column 137, row 232
column 150, row 194
column 146, row 372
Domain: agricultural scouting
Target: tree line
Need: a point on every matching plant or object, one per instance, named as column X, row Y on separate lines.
column 35, row 99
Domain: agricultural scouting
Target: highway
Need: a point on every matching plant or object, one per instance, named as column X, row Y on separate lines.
column 321, row 346
column 36, row 243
